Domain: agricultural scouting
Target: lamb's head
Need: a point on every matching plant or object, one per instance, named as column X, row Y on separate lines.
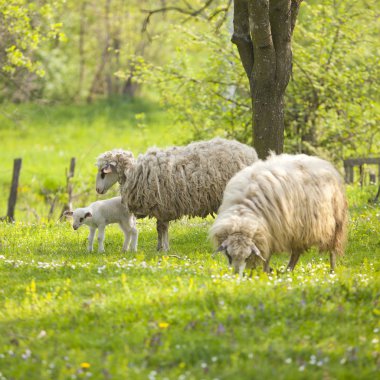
column 241, row 252
column 112, row 167
column 80, row 216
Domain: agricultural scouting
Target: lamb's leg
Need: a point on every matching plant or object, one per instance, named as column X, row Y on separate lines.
column 293, row 260
column 101, row 229
column 127, row 235
column 163, row 236
column 91, row 236
column 134, row 233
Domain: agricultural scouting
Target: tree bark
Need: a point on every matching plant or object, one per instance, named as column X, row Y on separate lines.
column 262, row 33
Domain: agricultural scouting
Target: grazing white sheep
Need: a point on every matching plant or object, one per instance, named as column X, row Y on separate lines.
column 101, row 213
column 287, row 203
column 168, row 184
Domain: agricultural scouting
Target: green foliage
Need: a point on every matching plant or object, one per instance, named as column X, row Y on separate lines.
column 203, row 85
column 65, row 313
column 25, row 28
column 333, row 99
column 332, row 105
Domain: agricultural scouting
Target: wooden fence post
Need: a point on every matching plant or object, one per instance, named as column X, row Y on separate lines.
column 14, row 186
column 69, row 186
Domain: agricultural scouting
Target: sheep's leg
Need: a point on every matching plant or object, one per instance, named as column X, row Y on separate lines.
column 91, row 236
column 332, row 261
column 293, row 260
column 166, row 238
column 159, row 236
column 101, row 229
column 163, row 235
column 267, row 268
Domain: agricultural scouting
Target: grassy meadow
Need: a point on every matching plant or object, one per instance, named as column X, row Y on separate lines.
column 69, row 314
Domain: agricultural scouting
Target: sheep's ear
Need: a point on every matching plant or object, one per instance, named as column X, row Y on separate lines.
column 68, row 213
column 257, row 252
column 221, row 248
column 88, row 214
column 107, row 169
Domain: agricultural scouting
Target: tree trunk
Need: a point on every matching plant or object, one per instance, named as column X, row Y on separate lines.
column 268, row 122
column 98, row 81
column 262, row 33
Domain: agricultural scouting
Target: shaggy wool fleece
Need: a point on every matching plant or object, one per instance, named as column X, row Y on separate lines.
column 188, row 180
column 287, row 203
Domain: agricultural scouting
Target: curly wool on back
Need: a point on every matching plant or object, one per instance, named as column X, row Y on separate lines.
column 288, row 203
column 170, row 183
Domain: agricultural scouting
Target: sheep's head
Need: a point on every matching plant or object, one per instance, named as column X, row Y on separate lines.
column 80, row 216
column 112, row 167
column 241, row 253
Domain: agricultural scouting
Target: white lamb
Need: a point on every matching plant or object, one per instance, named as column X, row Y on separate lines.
column 169, row 183
column 288, row 203
column 101, row 213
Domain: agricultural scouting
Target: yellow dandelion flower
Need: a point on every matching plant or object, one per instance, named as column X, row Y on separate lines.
column 85, row 365
column 163, row 325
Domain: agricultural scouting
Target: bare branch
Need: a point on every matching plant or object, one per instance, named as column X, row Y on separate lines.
column 241, row 36
column 224, row 17
column 190, row 12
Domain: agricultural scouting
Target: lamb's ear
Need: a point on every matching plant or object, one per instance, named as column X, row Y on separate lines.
column 221, row 248
column 257, row 252
column 107, row 169
column 88, row 214
column 68, row 213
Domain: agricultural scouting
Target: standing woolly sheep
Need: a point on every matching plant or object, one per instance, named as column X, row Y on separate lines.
column 288, row 203
column 101, row 213
column 168, row 184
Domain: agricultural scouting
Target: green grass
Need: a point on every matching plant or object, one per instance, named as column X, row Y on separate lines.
column 69, row 314
column 149, row 315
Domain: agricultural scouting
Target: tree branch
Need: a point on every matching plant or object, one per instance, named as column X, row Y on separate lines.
column 221, row 10
column 241, row 36
column 190, row 12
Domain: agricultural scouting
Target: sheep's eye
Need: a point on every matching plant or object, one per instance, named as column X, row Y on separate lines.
column 103, row 175
column 81, row 219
